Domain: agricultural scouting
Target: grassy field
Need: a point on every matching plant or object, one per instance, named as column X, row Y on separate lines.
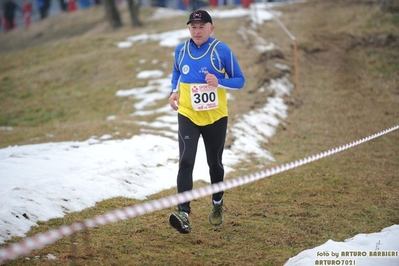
column 58, row 82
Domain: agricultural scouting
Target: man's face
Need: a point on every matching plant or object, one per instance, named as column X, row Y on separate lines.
column 200, row 31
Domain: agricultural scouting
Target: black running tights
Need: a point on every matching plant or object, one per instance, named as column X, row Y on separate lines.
column 214, row 136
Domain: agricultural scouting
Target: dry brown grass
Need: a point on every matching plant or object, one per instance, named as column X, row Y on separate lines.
column 349, row 89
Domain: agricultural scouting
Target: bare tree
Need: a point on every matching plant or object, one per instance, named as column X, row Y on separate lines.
column 134, row 7
column 112, row 13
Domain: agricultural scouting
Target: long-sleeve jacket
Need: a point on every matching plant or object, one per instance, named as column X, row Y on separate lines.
column 199, row 102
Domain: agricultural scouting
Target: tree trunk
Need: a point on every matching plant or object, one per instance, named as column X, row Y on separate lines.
column 134, row 7
column 112, row 13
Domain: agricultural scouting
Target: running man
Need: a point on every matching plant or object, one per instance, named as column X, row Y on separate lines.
column 204, row 68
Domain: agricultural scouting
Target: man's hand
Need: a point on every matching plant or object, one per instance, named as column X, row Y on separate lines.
column 211, row 80
column 174, row 101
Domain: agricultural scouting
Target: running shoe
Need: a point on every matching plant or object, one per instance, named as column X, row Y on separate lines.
column 216, row 216
column 180, row 222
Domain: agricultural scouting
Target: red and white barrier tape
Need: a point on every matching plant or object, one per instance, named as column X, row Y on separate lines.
column 40, row 240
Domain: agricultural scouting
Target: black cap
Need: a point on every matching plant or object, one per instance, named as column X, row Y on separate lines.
column 201, row 16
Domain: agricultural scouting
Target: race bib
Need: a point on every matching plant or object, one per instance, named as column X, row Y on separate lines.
column 203, row 97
